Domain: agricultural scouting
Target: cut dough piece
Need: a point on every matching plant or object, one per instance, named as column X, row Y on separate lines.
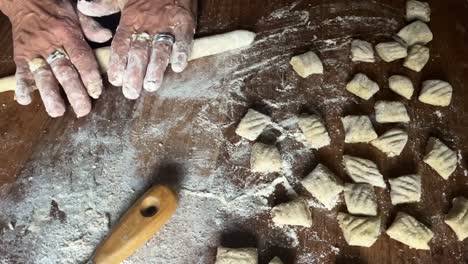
column 265, row 158
column 405, row 189
column 359, row 230
column 391, row 142
column 323, row 185
column 436, row 92
column 314, row 131
column 391, row 112
column 418, row 56
column 407, row 230
column 441, row 158
column 360, row 199
column 418, row 10
column 307, row 64
column 276, row 260
column 236, row 256
column 362, row 86
column 363, row 171
column 295, row 213
column 415, row 33
column 362, row 51
column 401, row 85
column 358, row 129
column 390, row 51
column 252, row 125
column 457, row 218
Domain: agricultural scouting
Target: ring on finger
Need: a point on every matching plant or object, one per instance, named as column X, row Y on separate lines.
column 57, row 54
column 163, row 37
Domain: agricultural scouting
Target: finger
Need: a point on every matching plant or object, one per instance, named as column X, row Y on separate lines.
column 24, row 83
column 82, row 57
column 136, row 66
column 98, row 8
column 184, row 38
column 93, row 30
column 68, row 77
column 118, row 57
column 48, row 87
column 158, row 62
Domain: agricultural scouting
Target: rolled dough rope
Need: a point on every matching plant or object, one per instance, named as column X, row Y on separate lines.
column 202, row 47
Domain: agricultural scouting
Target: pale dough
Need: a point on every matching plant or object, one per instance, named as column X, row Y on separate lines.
column 362, row 51
column 363, row 171
column 236, row 256
column 265, row 158
column 436, row 92
column 314, row 131
column 391, row 112
column 307, row 64
column 401, row 85
column 390, row 51
column 360, row 199
column 457, row 218
column 359, row 230
column 323, row 185
column 415, row 33
column 407, row 230
column 418, row 10
column 391, row 142
column 405, row 189
column 296, row 213
column 417, row 58
column 252, row 125
column 362, row 86
column 276, row 260
column 358, row 129
column 441, row 158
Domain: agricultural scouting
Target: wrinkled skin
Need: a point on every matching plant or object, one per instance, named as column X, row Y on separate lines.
column 42, row 27
column 137, row 63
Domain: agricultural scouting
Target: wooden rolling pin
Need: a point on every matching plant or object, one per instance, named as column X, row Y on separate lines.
column 202, row 47
column 146, row 217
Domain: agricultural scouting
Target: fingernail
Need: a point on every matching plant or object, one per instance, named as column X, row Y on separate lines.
column 56, row 112
column 151, row 86
column 179, row 63
column 23, row 99
column 95, row 89
column 130, row 93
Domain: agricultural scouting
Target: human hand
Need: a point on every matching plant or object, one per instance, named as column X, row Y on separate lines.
column 49, row 49
column 151, row 34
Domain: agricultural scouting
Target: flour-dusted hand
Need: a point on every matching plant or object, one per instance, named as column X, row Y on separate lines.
column 151, row 34
column 50, row 49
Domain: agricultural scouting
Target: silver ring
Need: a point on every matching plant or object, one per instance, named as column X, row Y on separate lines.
column 164, row 37
column 56, row 55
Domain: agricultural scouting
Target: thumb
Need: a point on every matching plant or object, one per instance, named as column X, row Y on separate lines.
column 93, row 30
column 98, row 8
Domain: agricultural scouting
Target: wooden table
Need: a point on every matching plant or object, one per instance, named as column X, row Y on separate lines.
column 201, row 130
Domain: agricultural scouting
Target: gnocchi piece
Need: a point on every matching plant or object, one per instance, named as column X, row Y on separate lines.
column 307, row 64
column 390, row 51
column 436, row 92
column 418, row 10
column 401, row 85
column 363, row 171
column 323, row 185
column 265, row 158
column 405, row 189
column 441, row 158
column 391, row 142
column 360, row 199
column 358, row 129
column 415, row 33
column 252, row 125
column 362, row 51
column 314, row 131
column 391, row 112
column 295, row 213
column 417, row 58
column 276, row 260
column 407, row 230
column 359, row 230
column 362, row 86
column 236, row 256
column 457, row 218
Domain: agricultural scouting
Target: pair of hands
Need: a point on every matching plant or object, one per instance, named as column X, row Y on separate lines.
column 50, row 49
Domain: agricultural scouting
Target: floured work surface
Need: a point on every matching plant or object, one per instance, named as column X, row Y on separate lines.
column 74, row 178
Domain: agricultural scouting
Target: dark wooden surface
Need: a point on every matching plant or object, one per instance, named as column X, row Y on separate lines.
column 26, row 131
